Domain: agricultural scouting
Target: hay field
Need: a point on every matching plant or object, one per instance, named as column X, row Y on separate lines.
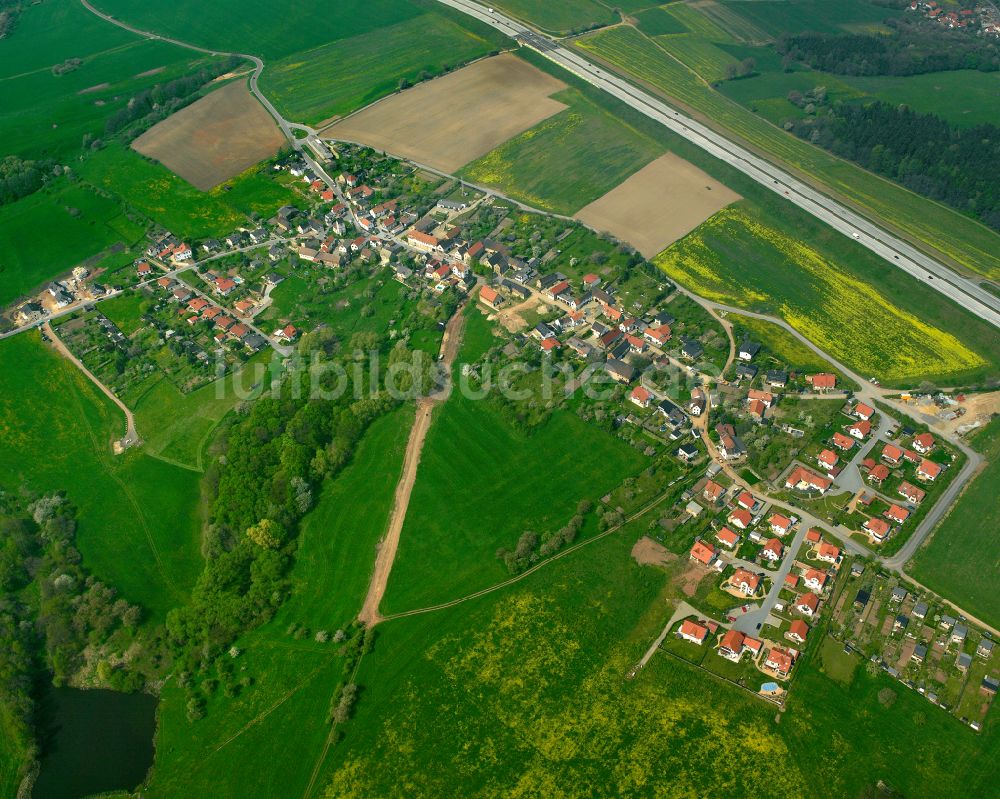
column 659, row 204
column 448, row 122
column 214, row 139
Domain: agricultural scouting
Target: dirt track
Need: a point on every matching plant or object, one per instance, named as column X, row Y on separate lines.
column 411, row 460
column 450, row 121
column 659, row 204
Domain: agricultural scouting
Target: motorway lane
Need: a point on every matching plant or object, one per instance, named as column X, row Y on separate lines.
column 900, row 254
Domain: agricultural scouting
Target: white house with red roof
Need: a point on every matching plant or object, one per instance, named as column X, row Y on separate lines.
column 640, row 396
column 727, row 538
column 863, row 412
column 779, row 661
column 734, row 644
column 923, row 443
column 814, row 580
column 822, row 382
column 744, row 581
column 911, row 493
column 703, row 553
column 891, row 454
column 745, row 500
column 805, row 480
column 712, row 491
column 692, row 631
column 772, row 550
column 740, row 518
column 807, row 604
column 828, row 552
column 842, row 442
column 780, row 524
column 828, row 459
column 877, row 528
column 897, row 514
column 928, row 470
column 860, row 430
column 798, row 631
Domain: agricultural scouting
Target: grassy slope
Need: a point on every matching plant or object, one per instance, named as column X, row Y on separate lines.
column 329, row 580
column 961, row 559
column 784, row 346
column 531, row 682
column 966, row 241
column 470, row 500
column 138, row 517
column 170, row 201
column 560, row 16
column 40, row 237
column 344, row 75
column 567, row 161
column 42, row 113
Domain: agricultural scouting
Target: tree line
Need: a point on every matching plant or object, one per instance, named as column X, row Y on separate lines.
column 158, row 102
column 912, row 49
column 925, row 153
column 19, row 177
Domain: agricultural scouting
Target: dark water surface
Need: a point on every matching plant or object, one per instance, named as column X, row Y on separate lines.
column 93, row 741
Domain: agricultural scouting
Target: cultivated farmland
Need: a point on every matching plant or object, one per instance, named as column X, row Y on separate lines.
column 560, row 16
column 966, row 241
column 569, row 160
column 500, row 97
column 736, row 260
column 215, row 138
column 658, row 204
column 345, row 75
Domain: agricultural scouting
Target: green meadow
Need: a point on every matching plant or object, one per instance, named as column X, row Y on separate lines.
column 532, row 683
column 44, row 114
column 482, row 483
column 961, row 558
column 568, row 160
column 257, row 27
column 345, row 75
column 52, row 230
column 965, row 97
column 139, row 526
column 782, row 16
column 157, row 193
column 293, row 677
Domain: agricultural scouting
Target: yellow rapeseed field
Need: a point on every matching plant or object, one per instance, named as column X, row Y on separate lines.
column 736, row 260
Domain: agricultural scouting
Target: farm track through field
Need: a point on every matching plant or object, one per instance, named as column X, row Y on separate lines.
column 369, row 614
column 109, row 468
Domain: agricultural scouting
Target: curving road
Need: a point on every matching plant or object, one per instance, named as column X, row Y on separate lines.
column 967, row 293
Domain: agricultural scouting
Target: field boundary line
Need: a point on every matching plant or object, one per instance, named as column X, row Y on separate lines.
column 528, row 572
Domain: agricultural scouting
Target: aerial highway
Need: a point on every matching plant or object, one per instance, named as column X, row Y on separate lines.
column 902, row 255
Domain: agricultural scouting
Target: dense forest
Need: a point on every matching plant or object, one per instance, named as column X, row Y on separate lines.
column 923, row 152
column 19, row 178
column 912, row 49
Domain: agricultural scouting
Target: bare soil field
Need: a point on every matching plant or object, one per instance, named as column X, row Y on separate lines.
column 448, row 122
column 214, row 139
column 659, row 204
column 647, row 552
